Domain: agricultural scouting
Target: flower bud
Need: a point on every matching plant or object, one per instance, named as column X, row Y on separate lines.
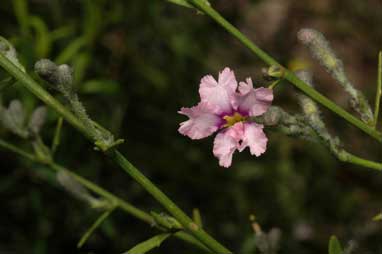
column 37, row 119
column 275, row 72
column 272, row 116
column 65, row 76
column 13, row 118
column 47, row 70
column 72, row 186
column 9, row 52
column 321, row 50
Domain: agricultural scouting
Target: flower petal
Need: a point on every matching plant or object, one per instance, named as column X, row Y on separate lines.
column 221, row 93
column 227, row 79
column 245, row 88
column 254, row 137
column 255, row 102
column 202, row 122
column 226, row 142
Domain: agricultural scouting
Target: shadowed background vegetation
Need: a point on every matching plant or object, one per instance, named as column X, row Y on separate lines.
column 136, row 63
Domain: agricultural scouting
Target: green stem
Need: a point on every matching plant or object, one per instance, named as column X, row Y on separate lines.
column 183, row 219
column 289, row 75
column 379, row 90
column 360, row 161
column 177, row 213
column 57, row 135
column 120, row 203
column 94, row 226
column 17, row 150
column 137, row 213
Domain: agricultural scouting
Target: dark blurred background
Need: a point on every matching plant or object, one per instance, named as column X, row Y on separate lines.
column 136, row 63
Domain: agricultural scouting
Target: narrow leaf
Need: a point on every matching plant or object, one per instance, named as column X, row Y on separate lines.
column 20, row 8
column 100, row 86
column 43, row 42
column 335, row 246
column 197, row 217
column 149, row 244
column 70, row 51
column 57, row 135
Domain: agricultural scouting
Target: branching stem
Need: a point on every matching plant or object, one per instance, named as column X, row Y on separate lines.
column 288, row 75
column 119, row 203
column 116, row 156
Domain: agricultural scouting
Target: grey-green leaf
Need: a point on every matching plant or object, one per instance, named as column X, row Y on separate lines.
column 149, row 244
column 335, row 246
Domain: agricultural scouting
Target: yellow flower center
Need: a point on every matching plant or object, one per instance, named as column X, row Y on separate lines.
column 231, row 120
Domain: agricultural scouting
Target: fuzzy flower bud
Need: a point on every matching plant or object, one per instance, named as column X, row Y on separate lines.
column 46, row 69
column 13, row 118
column 9, row 52
column 272, row 116
column 61, row 77
column 268, row 242
column 37, row 119
column 321, row 50
column 72, row 186
column 65, row 76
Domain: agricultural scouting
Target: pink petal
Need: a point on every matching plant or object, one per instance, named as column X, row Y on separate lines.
column 255, row 102
column 202, row 122
column 219, row 94
column 227, row 79
column 245, row 88
column 254, row 137
column 226, row 142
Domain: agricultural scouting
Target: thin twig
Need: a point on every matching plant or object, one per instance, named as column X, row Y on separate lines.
column 94, row 226
column 57, row 135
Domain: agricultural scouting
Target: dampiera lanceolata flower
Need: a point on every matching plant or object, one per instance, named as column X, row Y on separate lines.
column 226, row 107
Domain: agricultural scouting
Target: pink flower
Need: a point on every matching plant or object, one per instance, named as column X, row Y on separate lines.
column 225, row 107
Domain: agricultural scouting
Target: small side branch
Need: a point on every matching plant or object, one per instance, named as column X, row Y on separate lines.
column 93, row 227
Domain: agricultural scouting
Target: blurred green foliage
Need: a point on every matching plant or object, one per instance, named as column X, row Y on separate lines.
column 136, row 63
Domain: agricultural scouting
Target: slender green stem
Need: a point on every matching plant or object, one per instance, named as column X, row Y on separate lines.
column 120, row 203
column 57, row 135
column 17, row 150
column 177, row 213
column 137, row 213
column 379, row 90
column 289, row 75
column 183, row 219
column 361, row 162
column 94, row 226
column 42, row 94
